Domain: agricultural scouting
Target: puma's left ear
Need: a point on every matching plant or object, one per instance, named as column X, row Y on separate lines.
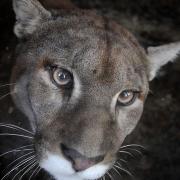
column 29, row 16
column 161, row 55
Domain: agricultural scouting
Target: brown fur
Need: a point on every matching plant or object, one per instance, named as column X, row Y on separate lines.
column 104, row 59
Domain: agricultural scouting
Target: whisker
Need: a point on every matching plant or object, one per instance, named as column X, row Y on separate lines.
column 126, row 171
column 24, row 167
column 31, row 167
column 125, row 152
column 135, row 150
column 18, row 165
column 110, row 176
column 5, row 95
column 12, row 126
column 19, row 135
column 132, row 145
column 120, row 167
column 15, row 150
column 25, row 146
column 24, row 161
column 123, row 160
column 27, row 166
column 35, row 172
column 117, row 171
column 9, row 84
column 38, row 171
column 17, row 160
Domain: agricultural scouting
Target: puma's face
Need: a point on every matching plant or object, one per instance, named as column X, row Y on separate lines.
column 83, row 91
column 82, row 82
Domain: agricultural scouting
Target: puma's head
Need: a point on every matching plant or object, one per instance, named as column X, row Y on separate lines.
column 82, row 81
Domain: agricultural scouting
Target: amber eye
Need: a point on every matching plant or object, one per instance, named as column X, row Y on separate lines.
column 62, row 77
column 127, row 97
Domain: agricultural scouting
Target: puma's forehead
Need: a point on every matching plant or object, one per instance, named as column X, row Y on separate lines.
column 96, row 54
column 101, row 79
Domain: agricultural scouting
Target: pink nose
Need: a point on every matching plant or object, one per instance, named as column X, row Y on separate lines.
column 79, row 161
column 80, row 164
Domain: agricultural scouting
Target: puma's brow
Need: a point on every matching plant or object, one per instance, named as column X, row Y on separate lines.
column 45, row 62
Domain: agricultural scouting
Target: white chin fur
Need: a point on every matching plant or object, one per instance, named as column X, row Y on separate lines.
column 94, row 172
column 62, row 169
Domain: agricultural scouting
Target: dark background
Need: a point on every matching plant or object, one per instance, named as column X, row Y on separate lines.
column 153, row 22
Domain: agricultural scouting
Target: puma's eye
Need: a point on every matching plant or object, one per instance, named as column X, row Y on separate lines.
column 127, row 97
column 62, row 77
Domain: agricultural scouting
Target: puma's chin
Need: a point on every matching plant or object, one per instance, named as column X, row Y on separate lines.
column 94, row 172
column 62, row 169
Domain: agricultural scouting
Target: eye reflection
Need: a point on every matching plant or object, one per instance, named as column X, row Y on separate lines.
column 62, row 77
column 127, row 97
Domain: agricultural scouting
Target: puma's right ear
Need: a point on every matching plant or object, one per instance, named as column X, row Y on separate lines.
column 161, row 55
column 29, row 15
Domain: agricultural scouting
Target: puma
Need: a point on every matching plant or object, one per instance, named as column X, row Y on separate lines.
column 82, row 80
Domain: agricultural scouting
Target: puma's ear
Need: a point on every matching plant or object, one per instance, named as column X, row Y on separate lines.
column 29, row 15
column 161, row 55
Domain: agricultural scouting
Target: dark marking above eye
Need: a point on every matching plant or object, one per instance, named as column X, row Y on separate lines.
column 44, row 63
column 107, row 65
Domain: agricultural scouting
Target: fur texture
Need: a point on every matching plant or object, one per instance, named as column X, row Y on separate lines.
column 104, row 60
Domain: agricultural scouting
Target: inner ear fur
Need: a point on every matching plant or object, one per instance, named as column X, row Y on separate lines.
column 29, row 15
column 161, row 55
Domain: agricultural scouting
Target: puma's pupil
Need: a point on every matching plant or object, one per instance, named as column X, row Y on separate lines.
column 62, row 77
column 127, row 97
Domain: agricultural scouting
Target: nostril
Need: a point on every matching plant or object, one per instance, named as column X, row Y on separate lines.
column 69, row 152
column 79, row 161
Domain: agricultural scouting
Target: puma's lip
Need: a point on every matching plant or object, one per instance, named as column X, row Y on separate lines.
column 62, row 169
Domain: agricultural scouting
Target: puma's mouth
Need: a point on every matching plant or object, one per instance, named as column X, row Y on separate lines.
column 78, row 160
column 62, row 169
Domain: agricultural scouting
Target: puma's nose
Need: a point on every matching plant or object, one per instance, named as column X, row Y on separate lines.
column 79, row 161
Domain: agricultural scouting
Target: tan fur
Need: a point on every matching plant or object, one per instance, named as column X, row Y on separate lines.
column 104, row 59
